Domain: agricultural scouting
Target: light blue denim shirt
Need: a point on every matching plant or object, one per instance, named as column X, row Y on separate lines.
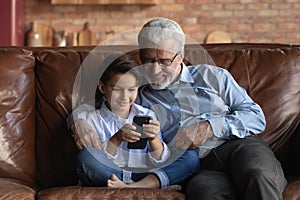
column 105, row 123
column 204, row 92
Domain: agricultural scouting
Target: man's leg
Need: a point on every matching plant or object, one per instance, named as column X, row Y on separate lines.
column 209, row 185
column 256, row 172
column 211, row 182
column 246, row 167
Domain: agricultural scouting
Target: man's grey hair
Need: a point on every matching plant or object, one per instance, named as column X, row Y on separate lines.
column 159, row 29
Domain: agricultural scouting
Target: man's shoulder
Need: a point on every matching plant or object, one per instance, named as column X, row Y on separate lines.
column 209, row 75
column 205, row 68
column 140, row 110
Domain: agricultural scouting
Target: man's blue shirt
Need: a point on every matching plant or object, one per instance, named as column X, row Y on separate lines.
column 201, row 93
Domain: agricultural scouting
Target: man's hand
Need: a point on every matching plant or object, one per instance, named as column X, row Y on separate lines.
column 84, row 135
column 192, row 137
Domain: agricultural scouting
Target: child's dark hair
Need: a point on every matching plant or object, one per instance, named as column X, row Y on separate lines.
column 115, row 64
column 124, row 63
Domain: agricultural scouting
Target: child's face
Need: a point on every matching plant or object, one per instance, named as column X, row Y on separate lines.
column 120, row 91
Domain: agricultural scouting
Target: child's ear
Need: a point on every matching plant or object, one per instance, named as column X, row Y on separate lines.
column 101, row 87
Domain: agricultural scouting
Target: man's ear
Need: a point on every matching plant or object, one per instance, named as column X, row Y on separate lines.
column 101, row 87
column 182, row 55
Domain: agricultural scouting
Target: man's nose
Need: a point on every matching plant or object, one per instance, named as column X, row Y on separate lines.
column 156, row 68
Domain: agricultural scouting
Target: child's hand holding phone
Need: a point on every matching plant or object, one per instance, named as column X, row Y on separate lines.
column 151, row 129
column 128, row 133
column 147, row 127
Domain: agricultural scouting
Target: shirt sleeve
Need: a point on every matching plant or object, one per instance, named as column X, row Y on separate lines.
column 79, row 112
column 164, row 157
column 112, row 157
column 96, row 124
column 243, row 117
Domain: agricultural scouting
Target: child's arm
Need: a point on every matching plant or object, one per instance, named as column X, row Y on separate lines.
column 113, row 143
column 151, row 130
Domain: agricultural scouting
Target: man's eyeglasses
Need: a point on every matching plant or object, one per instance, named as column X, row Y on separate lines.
column 162, row 62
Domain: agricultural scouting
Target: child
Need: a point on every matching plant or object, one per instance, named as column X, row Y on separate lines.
column 117, row 165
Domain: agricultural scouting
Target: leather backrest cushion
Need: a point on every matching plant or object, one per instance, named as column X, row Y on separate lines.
column 17, row 115
column 56, row 152
column 275, row 85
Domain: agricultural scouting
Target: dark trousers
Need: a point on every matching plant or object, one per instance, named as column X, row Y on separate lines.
column 238, row 169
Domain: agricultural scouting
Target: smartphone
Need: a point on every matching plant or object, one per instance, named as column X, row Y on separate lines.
column 138, row 122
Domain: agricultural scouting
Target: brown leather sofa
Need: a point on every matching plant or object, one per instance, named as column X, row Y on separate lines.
column 37, row 151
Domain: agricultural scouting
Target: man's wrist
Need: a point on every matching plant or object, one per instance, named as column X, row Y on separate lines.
column 209, row 130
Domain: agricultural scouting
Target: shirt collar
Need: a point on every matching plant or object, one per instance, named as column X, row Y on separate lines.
column 184, row 76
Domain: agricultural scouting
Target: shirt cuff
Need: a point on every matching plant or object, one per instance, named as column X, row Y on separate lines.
column 113, row 157
column 165, row 155
column 217, row 126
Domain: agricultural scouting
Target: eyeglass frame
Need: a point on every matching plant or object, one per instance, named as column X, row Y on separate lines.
column 153, row 60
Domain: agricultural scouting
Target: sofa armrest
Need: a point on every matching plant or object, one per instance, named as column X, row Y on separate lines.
column 15, row 189
column 80, row 192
